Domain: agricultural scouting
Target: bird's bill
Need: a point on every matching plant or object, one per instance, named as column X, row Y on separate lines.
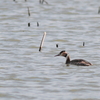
column 57, row 55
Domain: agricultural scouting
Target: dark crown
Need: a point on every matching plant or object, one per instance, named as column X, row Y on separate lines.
column 62, row 51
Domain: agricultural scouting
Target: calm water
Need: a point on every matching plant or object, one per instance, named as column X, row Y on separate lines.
column 26, row 73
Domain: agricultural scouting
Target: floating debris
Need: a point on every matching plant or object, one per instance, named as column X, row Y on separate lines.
column 28, row 24
column 37, row 24
column 57, row 45
column 28, row 11
column 42, row 41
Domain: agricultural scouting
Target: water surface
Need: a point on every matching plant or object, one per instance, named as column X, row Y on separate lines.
column 26, row 73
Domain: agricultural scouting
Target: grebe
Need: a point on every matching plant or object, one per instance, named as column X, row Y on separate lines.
column 78, row 62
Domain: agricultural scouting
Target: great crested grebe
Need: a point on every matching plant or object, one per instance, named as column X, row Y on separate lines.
column 78, row 62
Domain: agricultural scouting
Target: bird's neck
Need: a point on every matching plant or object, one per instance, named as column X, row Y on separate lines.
column 68, row 59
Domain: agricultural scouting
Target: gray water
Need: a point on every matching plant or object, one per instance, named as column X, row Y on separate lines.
column 26, row 73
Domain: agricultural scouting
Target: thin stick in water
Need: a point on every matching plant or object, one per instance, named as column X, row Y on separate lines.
column 42, row 1
column 37, row 24
column 28, row 24
column 15, row 1
column 28, row 11
column 46, row 2
column 57, row 45
column 42, row 41
column 83, row 43
column 99, row 11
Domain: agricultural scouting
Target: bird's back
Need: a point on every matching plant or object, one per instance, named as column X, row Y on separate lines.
column 80, row 62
